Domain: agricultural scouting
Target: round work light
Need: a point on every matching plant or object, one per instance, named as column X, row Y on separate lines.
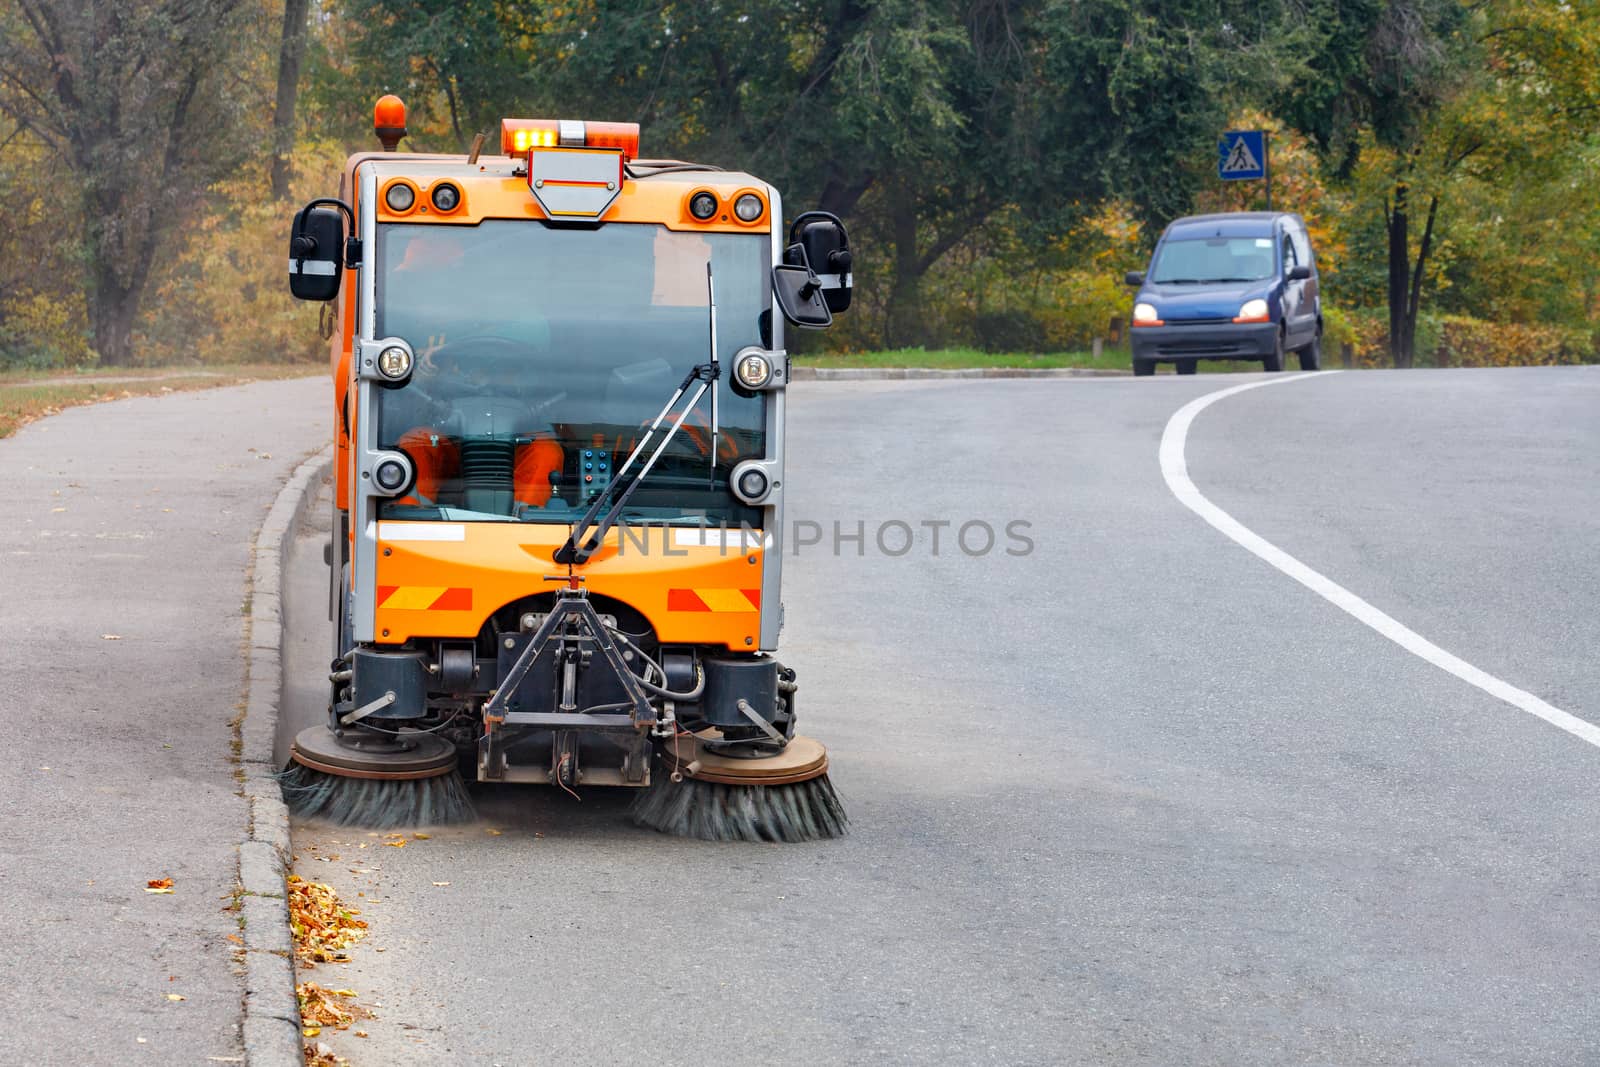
column 400, row 197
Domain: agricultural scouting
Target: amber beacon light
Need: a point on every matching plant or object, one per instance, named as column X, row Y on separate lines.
column 389, row 121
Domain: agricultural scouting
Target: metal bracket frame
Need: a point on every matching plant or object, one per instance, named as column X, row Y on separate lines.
column 570, row 604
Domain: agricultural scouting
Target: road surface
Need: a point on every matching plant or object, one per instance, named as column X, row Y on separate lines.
column 125, row 532
column 1133, row 796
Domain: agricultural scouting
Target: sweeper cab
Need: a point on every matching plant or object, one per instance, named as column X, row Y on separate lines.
column 558, row 411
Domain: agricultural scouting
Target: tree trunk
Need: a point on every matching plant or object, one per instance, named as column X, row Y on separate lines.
column 1397, row 223
column 1414, row 301
column 112, row 311
column 905, row 325
column 291, row 50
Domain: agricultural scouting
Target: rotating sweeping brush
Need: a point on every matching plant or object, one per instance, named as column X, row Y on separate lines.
column 375, row 782
column 786, row 797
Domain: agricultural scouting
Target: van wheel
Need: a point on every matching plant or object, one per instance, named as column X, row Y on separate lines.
column 1274, row 361
column 1143, row 368
column 1311, row 354
column 1186, row 366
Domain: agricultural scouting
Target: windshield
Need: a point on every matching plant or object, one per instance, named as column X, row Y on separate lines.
column 544, row 352
column 1213, row 259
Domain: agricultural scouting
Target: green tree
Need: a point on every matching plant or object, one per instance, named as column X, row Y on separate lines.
column 144, row 104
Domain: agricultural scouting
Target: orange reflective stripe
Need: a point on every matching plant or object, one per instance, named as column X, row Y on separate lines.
column 424, row 598
column 717, row 600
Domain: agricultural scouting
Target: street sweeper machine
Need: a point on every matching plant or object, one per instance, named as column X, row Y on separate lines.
column 558, row 412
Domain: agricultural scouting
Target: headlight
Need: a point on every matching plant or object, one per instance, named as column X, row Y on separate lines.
column 1145, row 315
column 1253, row 311
column 445, row 197
column 392, row 474
column 394, row 362
column 753, row 370
column 400, row 197
column 702, row 206
column 748, row 207
column 749, row 482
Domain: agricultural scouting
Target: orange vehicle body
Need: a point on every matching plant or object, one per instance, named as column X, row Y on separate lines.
column 693, row 587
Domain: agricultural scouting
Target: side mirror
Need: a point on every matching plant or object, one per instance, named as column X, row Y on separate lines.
column 800, row 295
column 1299, row 272
column 1134, row 278
column 817, row 239
column 316, row 252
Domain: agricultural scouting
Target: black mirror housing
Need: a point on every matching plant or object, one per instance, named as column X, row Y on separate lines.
column 1299, row 272
column 1134, row 278
column 817, row 239
column 800, row 295
column 316, row 253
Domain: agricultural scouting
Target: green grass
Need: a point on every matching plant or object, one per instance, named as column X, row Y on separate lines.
column 29, row 395
column 968, row 358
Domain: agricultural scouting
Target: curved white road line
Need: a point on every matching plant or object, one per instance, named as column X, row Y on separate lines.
column 1175, row 469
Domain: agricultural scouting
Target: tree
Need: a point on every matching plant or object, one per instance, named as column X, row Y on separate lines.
column 143, row 103
column 291, row 52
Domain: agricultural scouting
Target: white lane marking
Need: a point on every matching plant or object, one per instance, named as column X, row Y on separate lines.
column 1175, row 469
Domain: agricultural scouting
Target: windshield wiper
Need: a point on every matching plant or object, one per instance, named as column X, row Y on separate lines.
column 1220, row 281
column 1177, row 281
column 581, row 543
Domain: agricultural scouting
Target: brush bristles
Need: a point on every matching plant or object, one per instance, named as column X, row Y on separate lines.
column 375, row 804
column 711, row 811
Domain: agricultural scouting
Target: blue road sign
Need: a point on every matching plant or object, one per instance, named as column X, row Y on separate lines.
column 1242, row 155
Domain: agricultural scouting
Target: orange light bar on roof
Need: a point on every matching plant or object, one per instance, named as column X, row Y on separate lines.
column 623, row 135
column 518, row 136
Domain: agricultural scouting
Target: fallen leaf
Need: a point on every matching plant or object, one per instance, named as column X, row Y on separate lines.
column 57, row 509
column 396, row 844
column 422, row 837
column 310, row 1031
column 176, row 996
column 111, row 637
column 441, row 883
column 496, row 833
column 236, row 939
column 158, row 885
column 361, row 1033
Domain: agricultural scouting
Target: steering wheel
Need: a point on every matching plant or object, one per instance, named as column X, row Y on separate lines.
column 489, row 351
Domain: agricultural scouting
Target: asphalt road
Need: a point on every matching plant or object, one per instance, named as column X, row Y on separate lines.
column 1130, row 797
column 125, row 531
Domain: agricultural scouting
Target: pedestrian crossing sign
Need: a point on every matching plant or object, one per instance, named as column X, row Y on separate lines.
column 1242, row 155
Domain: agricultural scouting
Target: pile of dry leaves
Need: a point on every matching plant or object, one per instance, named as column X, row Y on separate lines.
column 323, row 927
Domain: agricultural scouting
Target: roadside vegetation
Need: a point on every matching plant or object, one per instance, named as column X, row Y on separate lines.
column 1000, row 164
column 29, row 395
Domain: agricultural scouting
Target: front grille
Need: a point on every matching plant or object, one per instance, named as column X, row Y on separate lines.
column 1198, row 322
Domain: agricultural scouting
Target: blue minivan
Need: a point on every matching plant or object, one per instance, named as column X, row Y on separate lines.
column 1234, row 286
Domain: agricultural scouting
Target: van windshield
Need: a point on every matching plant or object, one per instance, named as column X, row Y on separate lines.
column 1213, row 259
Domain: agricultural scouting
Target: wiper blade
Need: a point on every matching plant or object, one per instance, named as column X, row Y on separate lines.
column 1219, row 281
column 581, row 543
column 1176, row 281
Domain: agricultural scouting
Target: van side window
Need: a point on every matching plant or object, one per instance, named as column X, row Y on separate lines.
column 1302, row 244
column 1289, row 259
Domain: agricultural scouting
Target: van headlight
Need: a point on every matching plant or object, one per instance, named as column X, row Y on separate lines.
column 1253, row 311
column 1145, row 315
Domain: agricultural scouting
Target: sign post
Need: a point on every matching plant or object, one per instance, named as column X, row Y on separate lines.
column 1242, row 155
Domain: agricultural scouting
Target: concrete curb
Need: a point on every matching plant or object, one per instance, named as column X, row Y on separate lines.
column 271, row 1012
column 873, row 374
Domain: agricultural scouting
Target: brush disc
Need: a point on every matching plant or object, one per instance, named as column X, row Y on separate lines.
column 409, row 756
column 802, row 759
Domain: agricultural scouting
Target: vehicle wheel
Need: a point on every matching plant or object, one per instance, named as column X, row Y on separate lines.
column 1187, row 366
column 1274, row 361
column 1143, row 368
column 1311, row 354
